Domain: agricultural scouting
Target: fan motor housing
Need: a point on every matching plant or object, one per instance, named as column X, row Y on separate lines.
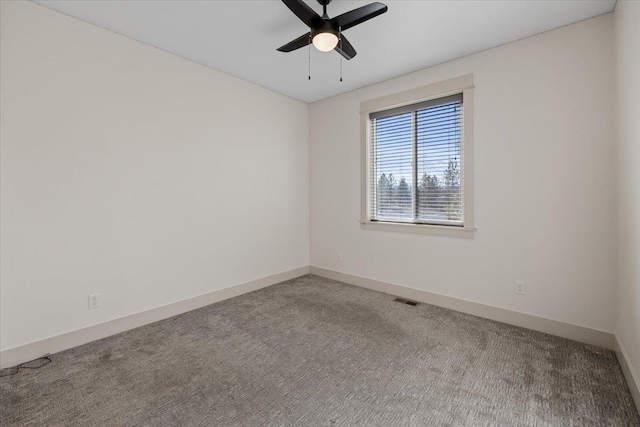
column 326, row 27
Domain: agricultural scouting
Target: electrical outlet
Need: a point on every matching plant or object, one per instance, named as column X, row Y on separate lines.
column 520, row 287
column 339, row 257
column 94, row 301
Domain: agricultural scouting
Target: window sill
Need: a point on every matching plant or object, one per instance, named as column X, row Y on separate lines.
column 427, row 229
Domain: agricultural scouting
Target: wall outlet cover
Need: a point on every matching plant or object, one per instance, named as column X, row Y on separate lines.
column 94, row 301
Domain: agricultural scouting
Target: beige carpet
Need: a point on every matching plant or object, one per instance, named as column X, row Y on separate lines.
column 315, row 352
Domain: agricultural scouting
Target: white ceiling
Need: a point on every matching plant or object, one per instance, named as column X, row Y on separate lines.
column 240, row 37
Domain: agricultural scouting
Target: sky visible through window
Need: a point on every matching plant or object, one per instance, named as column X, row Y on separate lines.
column 437, row 138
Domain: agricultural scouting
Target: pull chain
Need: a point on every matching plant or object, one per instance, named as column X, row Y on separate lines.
column 309, row 56
column 340, row 38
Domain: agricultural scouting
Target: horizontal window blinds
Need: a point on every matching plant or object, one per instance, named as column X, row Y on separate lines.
column 416, row 165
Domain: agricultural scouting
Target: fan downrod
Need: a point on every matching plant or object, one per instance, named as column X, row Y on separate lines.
column 324, row 4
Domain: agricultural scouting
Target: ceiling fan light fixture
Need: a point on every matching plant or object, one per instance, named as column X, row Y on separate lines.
column 324, row 32
column 325, row 42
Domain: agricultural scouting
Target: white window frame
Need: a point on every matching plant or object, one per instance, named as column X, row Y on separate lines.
column 458, row 85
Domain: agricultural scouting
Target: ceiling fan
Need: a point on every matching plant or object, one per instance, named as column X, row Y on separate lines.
column 327, row 32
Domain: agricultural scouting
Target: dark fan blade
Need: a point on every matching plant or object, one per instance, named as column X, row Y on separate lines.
column 304, row 12
column 301, row 41
column 359, row 15
column 345, row 49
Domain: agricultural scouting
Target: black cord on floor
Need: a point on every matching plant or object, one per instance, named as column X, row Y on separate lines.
column 31, row 364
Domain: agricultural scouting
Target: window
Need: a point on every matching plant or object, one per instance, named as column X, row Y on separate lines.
column 415, row 163
column 418, row 176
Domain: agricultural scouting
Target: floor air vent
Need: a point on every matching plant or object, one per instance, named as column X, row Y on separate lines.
column 405, row 301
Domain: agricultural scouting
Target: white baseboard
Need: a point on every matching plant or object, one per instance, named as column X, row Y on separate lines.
column 26, row 352
column 529, row 321
column 629, row 372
